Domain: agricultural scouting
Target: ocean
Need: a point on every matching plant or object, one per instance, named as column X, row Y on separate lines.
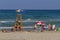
column 29, row 17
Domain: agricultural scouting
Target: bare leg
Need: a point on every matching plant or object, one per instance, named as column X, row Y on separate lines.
column 14, row 29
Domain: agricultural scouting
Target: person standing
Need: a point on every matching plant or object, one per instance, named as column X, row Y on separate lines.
column 49, row 27
column 35, row 27
column 53, row 27
column 42, row 28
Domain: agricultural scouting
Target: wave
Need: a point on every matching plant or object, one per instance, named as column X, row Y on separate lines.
column 19, row 21
column 12, row 27
column 25, row 20
column 23, row 27
column 30, row 20
column 5, row 21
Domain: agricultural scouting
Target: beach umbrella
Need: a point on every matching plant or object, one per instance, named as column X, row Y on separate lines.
column 40, row 23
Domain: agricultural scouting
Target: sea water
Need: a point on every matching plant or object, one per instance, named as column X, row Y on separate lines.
column 29, row 17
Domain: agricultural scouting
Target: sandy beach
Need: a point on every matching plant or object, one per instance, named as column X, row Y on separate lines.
column 30, row 35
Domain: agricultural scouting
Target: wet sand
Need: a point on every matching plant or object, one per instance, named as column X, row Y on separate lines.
column 30, row 35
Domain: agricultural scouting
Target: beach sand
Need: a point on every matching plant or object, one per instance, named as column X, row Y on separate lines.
column 30, row 35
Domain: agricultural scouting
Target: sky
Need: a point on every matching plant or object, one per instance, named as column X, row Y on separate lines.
column 29, row 4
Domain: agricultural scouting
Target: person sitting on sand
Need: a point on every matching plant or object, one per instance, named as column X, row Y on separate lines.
column 4, row 30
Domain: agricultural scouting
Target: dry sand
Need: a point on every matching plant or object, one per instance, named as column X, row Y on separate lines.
column 30, row 36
